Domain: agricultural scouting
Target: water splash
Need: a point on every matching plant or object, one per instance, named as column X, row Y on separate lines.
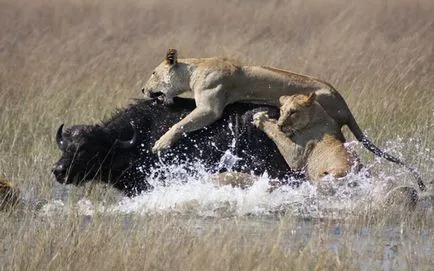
column 190, row 192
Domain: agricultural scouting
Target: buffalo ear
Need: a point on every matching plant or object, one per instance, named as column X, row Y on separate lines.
column 59, row 137
column 171, row 57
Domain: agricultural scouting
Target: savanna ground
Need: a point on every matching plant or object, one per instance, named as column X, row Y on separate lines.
column 74, row 61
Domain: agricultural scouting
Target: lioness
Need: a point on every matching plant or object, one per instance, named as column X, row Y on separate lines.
column 307, row 137
column 9, row 195
column 216, row 82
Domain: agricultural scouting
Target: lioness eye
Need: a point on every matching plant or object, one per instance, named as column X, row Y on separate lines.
column 153, row 73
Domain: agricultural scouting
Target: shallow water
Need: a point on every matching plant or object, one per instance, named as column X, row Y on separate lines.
column 318, row 208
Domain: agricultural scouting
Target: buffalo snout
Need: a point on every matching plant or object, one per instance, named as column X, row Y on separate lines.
column 59, row 171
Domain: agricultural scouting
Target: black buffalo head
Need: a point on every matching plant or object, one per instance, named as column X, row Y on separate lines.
column 92, row 152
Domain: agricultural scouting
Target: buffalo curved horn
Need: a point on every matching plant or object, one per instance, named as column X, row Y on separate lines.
column 59, row 137
column 126, row 144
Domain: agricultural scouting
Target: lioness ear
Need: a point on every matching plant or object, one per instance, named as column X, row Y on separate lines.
column 311, row 98
column 171, row 57
column 283, row 99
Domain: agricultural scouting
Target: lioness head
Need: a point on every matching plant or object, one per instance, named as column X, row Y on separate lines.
column 167, row 79
column 295, row 112
column 9, row 195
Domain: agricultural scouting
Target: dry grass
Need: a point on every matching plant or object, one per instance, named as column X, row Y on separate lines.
column 73, row 61
column 74, row 242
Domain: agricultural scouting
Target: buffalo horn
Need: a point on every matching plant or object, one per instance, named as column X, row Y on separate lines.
column 59, row 136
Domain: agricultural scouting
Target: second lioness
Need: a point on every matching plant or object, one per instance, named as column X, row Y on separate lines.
column 216, row 82
column 307, row 137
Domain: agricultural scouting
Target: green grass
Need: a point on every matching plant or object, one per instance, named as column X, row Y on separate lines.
column 72, row 61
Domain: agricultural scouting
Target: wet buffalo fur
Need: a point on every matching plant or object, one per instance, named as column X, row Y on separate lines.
column 92, row 152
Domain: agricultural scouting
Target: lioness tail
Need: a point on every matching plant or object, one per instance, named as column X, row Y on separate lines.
column 355, row 129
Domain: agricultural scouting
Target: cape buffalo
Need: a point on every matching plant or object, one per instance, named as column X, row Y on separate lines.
column 118, row 151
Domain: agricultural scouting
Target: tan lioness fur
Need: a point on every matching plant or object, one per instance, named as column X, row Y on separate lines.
column 240, row 180
column 216, row 82
column 235, row 179
column 307, row 137
column 9, row 195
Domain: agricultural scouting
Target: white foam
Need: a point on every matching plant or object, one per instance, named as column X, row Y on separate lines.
column 187, row 192
column 197, row 195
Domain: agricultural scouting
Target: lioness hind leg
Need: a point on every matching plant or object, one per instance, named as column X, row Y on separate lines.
column 235, row 179
column 402, row 196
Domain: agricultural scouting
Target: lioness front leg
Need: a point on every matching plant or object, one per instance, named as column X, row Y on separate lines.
column 209, row 108
column 287, row 148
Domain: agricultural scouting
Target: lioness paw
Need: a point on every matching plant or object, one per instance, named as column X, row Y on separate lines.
column 163, row 143
column 259, row 118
